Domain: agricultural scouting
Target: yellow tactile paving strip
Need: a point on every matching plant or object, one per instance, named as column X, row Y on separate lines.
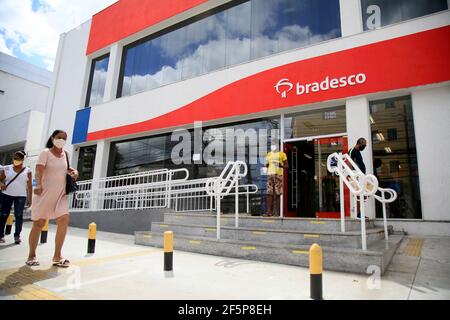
column 414, row 247
column 20, row 282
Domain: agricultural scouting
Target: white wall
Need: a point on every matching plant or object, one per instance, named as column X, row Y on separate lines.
column 358, row 126
column 431, row 111
column 20, row 95
column 67, row 95
column 351, row 18
column 35, row 130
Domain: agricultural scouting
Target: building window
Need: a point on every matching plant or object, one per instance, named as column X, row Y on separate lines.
column 231, row 34
column 86, row 161
column 315, row 123
column 152, row 153
column 97, row 81
column 395, row 158
column 380, row 13
column 392, row 134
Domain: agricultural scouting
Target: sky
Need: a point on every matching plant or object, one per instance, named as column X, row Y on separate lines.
column 30, row 29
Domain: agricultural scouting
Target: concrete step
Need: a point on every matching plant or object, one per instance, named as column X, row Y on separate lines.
column 378, row 254
column 351, row 239
column 248, row 221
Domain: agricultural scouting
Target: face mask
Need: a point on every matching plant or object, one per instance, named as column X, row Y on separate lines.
column 17, row 162
column 273, row 147
column 59, row 143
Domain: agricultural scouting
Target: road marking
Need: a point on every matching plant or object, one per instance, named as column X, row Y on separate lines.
column 311, row 236
column 267, row 221
column 259, row 232
column 248, row 248
column 164, row 225
column 210, row 229
column 122, row 275
column 194, row 242
column 317, row 222
column 90, row 262
column 147, row 236
column 300, row 251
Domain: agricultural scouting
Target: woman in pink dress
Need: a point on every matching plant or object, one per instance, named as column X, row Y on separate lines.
column 50, row 200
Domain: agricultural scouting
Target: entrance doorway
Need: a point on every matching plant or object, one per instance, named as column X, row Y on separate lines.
column 310, row 191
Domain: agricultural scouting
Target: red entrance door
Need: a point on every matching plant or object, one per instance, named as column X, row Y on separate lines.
column 309, row 189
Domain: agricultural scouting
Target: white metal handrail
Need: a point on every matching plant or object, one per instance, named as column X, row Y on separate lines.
column 360, row 185
column 382, row 198
column 150, row 189
column 221, row 186
column 159, row 189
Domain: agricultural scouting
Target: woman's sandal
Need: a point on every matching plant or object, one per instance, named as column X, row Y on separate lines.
column 63, row 263
column 32, row 263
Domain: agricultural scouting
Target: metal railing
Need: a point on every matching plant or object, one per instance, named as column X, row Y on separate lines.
column 360, row 185
column 157, row 189
column 144, row 190
column 222, row 186
column 380, row 198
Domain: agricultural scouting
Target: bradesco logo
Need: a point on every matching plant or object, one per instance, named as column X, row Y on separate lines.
column 284, row 85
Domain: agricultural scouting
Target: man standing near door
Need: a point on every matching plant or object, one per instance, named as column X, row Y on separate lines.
column 355, row 154
column 276, row 162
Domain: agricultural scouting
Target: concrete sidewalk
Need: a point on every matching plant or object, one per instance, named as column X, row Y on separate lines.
column 121, row 270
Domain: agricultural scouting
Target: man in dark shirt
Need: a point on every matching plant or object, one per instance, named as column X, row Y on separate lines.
column 355, row 154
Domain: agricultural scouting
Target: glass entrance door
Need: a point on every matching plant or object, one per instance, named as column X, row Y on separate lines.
column 309, row 189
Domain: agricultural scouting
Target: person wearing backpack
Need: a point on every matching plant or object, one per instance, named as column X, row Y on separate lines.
column 16, row 190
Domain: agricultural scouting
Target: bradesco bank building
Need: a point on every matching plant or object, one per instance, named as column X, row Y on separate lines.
column 322, row 72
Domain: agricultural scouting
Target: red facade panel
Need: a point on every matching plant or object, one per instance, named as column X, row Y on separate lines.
column 404, row 62
column 127, row 17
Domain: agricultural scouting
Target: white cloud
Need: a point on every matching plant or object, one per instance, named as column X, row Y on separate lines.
column 36, row 34
column 215, row 54
column 4, row 48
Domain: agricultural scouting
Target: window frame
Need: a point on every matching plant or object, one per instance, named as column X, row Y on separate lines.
column 91, row 78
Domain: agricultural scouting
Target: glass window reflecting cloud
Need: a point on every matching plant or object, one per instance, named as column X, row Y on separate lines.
column 380, row 13
column 246, row 31
column 97, row 81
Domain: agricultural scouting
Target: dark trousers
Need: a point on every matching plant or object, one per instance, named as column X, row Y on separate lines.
column 19, row 205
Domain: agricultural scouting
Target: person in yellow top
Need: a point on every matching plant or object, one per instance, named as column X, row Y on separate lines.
column 276, row 162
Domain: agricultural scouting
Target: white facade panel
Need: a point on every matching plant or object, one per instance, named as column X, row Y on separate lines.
column 431, row 110
column 70, row 71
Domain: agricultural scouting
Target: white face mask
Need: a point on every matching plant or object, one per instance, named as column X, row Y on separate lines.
column 59, row 143
column 273, row 147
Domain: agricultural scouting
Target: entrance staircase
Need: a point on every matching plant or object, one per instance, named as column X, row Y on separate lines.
column 277, row 240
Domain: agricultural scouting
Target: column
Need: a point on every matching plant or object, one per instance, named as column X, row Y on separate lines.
column 100, row 169
column 112, row 78
column 351, row 17
column 358, row 126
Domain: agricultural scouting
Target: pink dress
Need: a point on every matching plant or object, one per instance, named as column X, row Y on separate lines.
column 53, row 202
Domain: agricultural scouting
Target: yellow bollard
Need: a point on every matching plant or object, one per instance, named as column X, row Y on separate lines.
column 168, row 251
column 315, row 270
column 91, row 238
column 9, row 224
column 44, row 232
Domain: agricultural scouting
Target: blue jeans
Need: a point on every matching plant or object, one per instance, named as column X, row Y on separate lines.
column 19, row 205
